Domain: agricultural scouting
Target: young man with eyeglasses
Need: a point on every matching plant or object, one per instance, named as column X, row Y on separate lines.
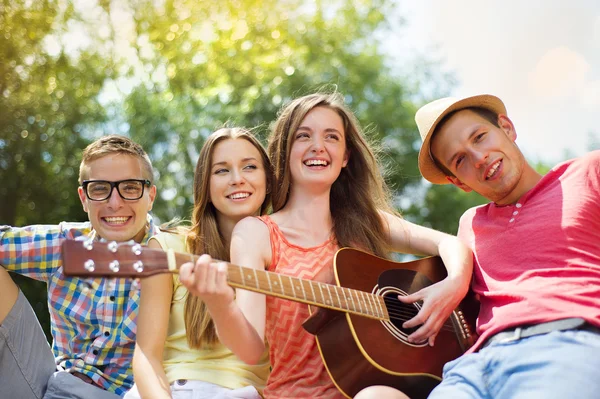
column 92, row 321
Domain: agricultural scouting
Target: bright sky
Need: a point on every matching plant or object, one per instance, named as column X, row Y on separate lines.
column 541, row 57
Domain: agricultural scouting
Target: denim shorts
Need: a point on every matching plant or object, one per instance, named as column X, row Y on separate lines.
column 559, row 364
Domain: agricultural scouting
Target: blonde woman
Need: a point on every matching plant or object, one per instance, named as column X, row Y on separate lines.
column 178, row 353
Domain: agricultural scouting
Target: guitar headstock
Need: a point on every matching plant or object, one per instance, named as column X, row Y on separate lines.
column 111, row 259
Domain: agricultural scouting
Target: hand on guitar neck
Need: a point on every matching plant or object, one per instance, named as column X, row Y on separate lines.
column 208, row 282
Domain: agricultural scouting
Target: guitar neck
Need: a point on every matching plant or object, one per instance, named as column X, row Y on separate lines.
column 298, row 290
column 96, row 259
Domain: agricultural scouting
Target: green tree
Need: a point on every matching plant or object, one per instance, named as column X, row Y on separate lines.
column 202, row 64
column 48, row 104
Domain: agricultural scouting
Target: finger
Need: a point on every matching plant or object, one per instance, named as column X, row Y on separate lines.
column 209, row 278
column 204, row 259
column 222, row 275
column 185, row 273
column 432, row 339
column 428, row 331
column 412, row 298
column 419, row 319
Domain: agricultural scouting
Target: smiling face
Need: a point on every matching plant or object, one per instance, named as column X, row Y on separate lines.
column 483, row 157
column 116, row 219
column 238, row 181
column 318, row 151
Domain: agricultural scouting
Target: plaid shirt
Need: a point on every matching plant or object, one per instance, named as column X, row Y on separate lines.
column 92, row 320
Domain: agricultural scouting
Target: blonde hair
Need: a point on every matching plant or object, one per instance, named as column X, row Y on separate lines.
column 114, row 144
column 204, row 236
column 357, row 195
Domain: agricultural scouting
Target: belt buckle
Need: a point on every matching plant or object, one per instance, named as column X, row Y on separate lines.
column 516, row 336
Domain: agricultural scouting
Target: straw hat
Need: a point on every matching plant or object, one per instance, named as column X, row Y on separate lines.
column 429, row 115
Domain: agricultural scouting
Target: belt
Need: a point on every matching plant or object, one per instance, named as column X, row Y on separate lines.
column 86, row 379
column 516, row 333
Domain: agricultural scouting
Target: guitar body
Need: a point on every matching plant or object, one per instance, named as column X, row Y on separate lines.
column 359, row 352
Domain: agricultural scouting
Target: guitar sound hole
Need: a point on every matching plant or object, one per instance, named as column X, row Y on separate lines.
column 400, row 312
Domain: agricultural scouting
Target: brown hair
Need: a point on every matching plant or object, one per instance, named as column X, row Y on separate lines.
column 359, row 192
column 114, row 144
column 204, row 236
column 485, row 113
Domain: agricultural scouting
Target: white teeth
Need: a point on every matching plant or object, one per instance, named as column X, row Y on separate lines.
column 239, row 195
column 116, row 219
column 493, row 169
column 316, row 162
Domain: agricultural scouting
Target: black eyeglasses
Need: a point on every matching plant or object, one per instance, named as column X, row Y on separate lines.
column 100, row 190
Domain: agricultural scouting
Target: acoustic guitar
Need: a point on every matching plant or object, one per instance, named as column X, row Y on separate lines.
column 358, row 324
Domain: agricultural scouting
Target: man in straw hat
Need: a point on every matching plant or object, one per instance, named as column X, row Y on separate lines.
column 536, row 249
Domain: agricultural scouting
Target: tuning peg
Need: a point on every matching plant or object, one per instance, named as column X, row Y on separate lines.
column 88, row 244
column 112, row 246
column 138, row 266
column 137, row 249
column 114, row 266
column 89, row 265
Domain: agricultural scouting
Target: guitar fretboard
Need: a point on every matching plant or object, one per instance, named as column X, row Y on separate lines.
column 309, row 292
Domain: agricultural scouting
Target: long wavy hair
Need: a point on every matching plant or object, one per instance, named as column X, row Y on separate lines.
column 204, row 236
column 357, row 195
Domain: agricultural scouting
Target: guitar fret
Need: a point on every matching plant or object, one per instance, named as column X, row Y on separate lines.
column 281, row 284
column 291, row 283
column 300, row 285
column 373, row 308
column 357, row 300
column 347, row 291
column 256, row 279
column 367, row 302
column 329, row 292
column 378, row 305
column 335, row 288
column 242, row 275
column 362, row 295
column 321, row 291
column 269, row 281
column 313, row 291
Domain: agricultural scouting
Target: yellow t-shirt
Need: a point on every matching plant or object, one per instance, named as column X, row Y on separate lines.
column 217, row 365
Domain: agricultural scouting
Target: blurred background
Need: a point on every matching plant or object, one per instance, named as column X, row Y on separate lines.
column 169, row 72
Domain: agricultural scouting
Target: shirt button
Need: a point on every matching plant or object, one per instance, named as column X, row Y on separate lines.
column 515, row 213
column 518, row 205
column 512, row 220
column 112, row 298
column 106, row 333
column 181, row 382
column 95, row 352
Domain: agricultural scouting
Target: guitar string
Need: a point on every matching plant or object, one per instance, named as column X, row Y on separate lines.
column 396, row 310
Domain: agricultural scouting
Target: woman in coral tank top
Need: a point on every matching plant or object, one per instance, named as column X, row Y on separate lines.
column 328, row 193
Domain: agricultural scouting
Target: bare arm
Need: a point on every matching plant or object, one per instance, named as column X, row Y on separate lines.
column 240, row 322
column 411, row 238
column 152, row 324
column 439, row 300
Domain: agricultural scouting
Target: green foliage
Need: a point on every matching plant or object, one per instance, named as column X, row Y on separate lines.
column 205, row 64
column 47, row 102
column 442, row 206
column 168, row 73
